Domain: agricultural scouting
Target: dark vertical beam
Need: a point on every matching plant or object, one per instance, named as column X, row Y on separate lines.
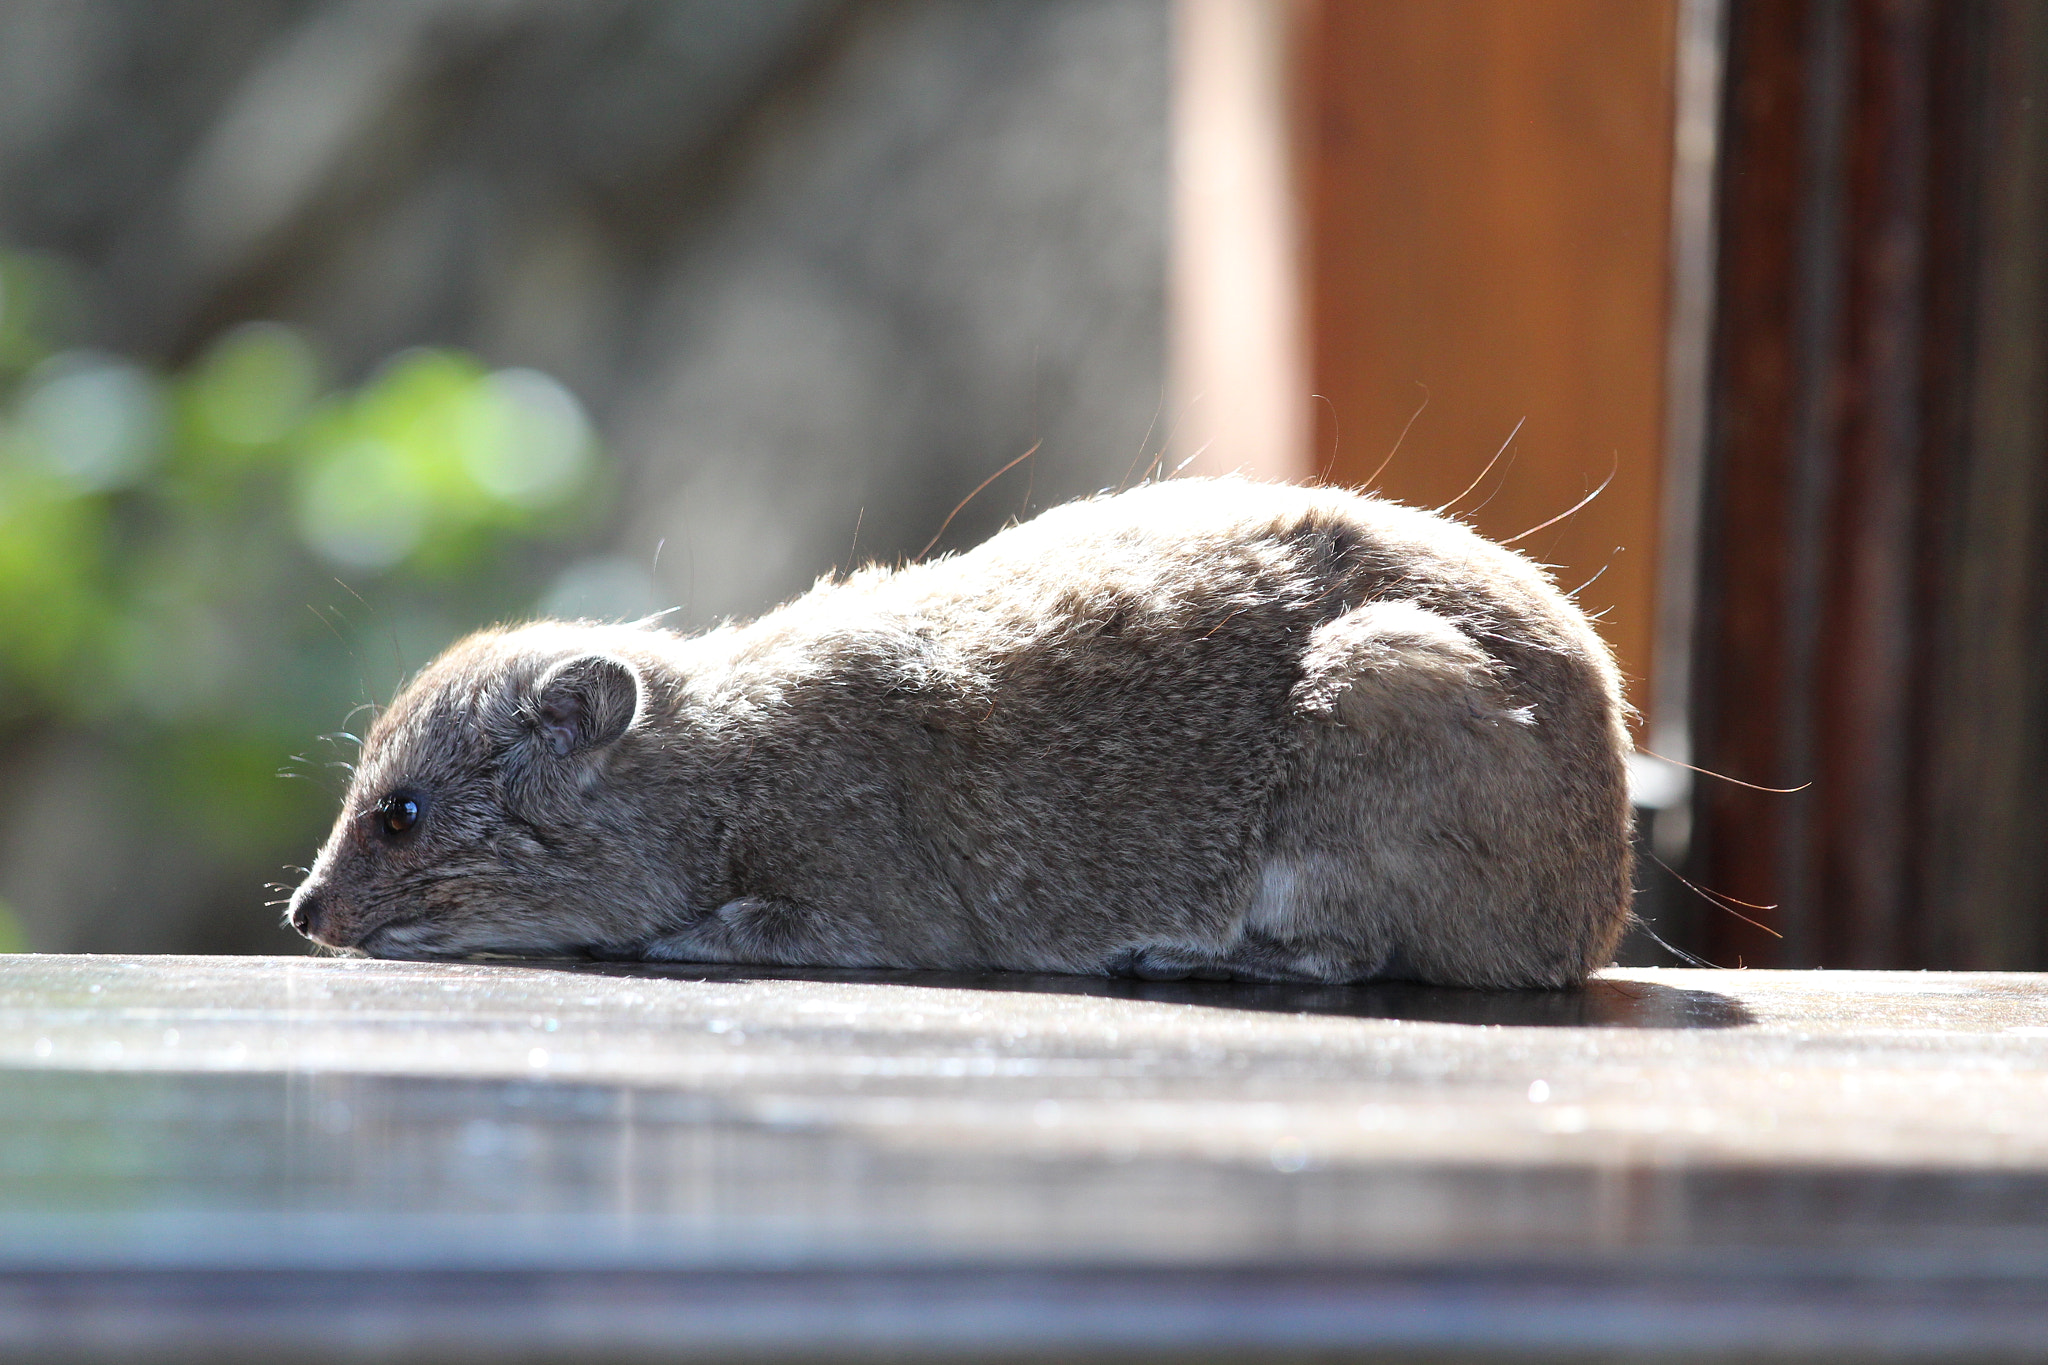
column 1748, row 701
column 1873, row 547
column 1827, row 47
column 1954, row 439
column 1982, row 881
column 1864, row 682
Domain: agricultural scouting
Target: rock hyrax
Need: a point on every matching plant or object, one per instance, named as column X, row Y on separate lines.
column 1204, row 727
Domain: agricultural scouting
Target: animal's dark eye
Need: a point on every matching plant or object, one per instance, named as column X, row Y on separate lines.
column 397, row 814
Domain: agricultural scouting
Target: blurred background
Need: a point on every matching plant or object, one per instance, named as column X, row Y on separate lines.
column 335, row 329
column 331, row 329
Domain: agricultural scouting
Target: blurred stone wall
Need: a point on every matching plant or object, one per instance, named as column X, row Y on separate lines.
column 816, row 270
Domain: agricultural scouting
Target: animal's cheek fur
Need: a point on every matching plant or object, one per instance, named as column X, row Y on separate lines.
column 551, row 899
column 516, row 850
column 484, row 914
column 548, row 790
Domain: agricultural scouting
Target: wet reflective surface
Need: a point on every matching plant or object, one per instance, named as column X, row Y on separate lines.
column 173, row 1130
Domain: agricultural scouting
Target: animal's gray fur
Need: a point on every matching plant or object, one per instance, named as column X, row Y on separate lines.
column 1203, row 727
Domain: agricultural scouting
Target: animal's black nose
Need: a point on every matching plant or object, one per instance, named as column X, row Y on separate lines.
column 305, row 915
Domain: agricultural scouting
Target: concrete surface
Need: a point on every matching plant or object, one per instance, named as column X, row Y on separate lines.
column 331, row 1158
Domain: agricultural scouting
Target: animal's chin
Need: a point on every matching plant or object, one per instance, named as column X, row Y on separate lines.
column 406, row 942
column 376, row 945
column 403, row 939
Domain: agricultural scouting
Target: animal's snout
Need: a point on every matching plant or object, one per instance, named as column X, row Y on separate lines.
column 307, row 912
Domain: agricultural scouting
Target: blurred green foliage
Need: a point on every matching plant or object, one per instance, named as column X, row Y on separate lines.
column 211, row 567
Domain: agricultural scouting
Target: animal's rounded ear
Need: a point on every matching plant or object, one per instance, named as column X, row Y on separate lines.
column 585, row 703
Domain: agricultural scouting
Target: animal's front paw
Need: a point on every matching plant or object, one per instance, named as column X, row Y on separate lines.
column 1162, row 964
